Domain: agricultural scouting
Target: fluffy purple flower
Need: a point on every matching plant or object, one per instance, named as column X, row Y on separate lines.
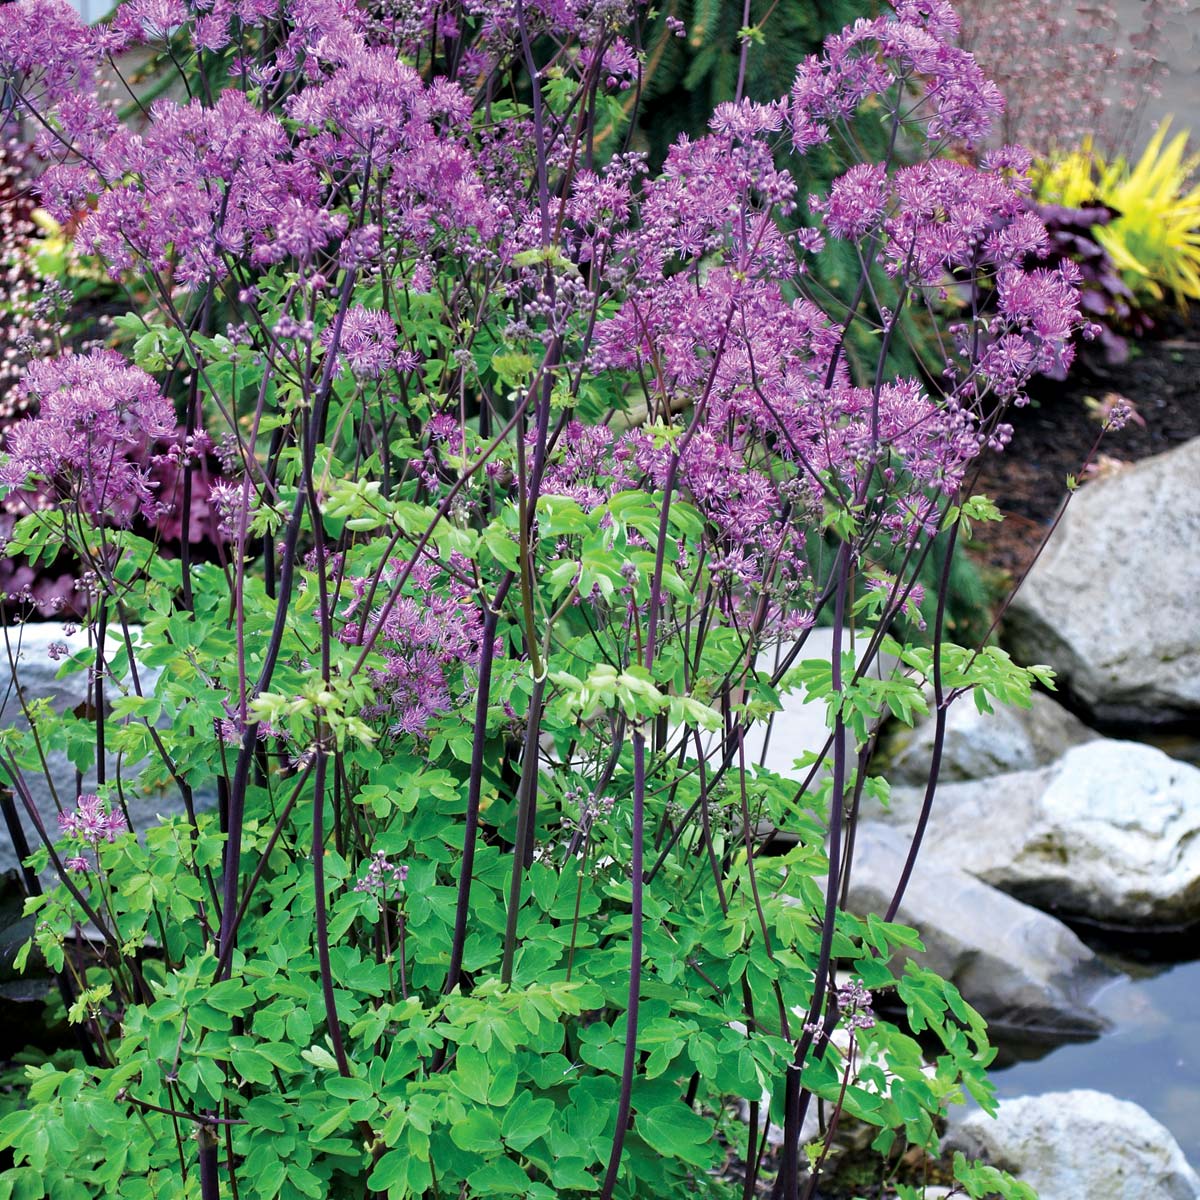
column 1008, row 363
column 368, row 342
column 618, row 64
column 92, row 822
column 373, row 110
column 959, row 102
column 149, row 20
column 199, row 185
column 746, row 119
column 856, row 201
column 47, row 43
column 94, row 412
column 429, row 639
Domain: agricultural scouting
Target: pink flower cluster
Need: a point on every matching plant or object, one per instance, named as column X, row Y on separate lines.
column 94, row 414
column 429, row 640
column 90, row 823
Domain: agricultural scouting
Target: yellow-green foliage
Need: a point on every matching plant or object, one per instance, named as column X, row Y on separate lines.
column 1155, row 237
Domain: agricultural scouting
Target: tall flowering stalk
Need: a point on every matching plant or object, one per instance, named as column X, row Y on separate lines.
column 531, row 460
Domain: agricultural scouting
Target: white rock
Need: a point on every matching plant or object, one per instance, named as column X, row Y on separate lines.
column 800, row 727
column 1019, row 967
column 1109, row 832
column 978, row 745
column 1079, row 1145
column 810, row 1130
column 1114, row 602
column 39, row 651
column 37, row 677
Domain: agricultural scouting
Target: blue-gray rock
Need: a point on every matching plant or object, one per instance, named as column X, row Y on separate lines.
column 1113, row 605
column 979, row 745
column 39, row 651
column 1021, row 968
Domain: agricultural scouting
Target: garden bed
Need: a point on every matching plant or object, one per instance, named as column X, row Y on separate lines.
column 1053, row 435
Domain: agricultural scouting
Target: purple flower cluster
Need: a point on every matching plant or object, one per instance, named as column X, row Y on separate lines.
column 686, row 291
column 700, row 263
column 854, row 1005
column 94, row 413
column 750, row 547
column 47, row 46
column 373, row 113
column 382, row 876
column 200, row 185
column 92, row 822
column 89, row 824
column 367, row 347
column 958, row 103
column 429, row 639
column 207, row 184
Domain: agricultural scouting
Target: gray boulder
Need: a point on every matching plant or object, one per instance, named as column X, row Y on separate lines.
column 1108, row 832
column 1079, row 1145
column 978, row 745
column 1114, row 602
column 1019, row 967
column 39, row 652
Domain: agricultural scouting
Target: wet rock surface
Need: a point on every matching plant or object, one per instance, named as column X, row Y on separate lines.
column 978, row 745
column 39, row 652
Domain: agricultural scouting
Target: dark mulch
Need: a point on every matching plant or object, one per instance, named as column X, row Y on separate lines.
column 1054, row 434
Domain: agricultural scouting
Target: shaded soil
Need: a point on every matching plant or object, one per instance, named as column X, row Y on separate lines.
column 853, row 1170
column 1054, row 435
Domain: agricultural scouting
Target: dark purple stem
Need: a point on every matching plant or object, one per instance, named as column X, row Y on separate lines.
column 795, row 1098
column 939, row 733
column 625, row 1102
column 322, row 916
column 474, row 788
column 526, row 808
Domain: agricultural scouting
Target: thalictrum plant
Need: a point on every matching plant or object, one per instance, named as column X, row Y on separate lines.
column 539, row 472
